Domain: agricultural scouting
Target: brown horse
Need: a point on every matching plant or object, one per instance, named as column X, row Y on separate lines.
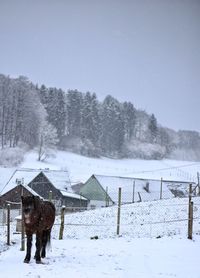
column 38, row 218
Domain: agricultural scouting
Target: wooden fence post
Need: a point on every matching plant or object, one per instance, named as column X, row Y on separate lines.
column 80, row 204
column 139, row 196
column 62, row 222
column 190, row 213
column 107, row 197
column 22, row 224
column 198, row 184
column 22, row 231
column 190, row 220
column 119, row 210
column 161, row 185
column 133, row 199
column 22, row 235
column 190, row 192
column 8, row 224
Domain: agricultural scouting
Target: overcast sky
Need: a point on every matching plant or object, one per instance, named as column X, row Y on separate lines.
column 146, row 52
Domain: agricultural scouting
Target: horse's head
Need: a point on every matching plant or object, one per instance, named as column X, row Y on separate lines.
column 30, row 206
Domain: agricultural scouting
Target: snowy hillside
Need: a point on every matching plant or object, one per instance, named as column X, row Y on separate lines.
column 80, row 168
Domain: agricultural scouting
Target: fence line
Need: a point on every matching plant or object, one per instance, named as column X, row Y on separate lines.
column 113, row 225
column 133, row 220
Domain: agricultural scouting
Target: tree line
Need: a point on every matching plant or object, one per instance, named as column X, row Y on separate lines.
column 42, row 117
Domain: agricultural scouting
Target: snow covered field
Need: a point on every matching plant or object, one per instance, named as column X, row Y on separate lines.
column 139, row 220
column 157, row 250
column 153, row 241
column 118, row 258
column 130, row 255
column 80, row 168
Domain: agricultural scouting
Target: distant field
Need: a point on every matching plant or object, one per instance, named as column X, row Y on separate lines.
column 80, row 168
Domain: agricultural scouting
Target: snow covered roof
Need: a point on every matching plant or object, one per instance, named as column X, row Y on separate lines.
column 133, row 188
column 72, row 195
column 59, row 178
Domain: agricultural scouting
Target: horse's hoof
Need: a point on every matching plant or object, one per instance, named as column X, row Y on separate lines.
column 26, row 261
column 38, row 262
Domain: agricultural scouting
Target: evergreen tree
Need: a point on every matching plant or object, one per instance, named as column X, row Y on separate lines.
column 153, row 128
column 55, row 105
column 189, row 139
column 96, row 123
column 51, row 106
column 129, row 118
column 60, row 120
column 43, row 93
column 164, row 139
column 90, row 125
column 74, row 109
column 86, row 117
column 141, row 130
column 112, row 126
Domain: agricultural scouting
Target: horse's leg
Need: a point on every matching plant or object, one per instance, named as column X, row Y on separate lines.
column 28, row 248
column 38, row 247
column 44, row 243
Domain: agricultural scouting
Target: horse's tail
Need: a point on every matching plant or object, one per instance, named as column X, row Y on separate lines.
column 48, row 238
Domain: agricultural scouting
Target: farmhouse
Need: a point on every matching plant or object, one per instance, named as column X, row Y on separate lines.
column 103, row 190
column 41, row 183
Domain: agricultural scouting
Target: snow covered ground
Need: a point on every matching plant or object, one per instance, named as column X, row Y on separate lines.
column 81, row 168
column 117, row 258
column 139, row 220
column 153, row 241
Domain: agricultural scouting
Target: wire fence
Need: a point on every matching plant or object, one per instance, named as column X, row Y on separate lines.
column 165, row 217
column 138, row 220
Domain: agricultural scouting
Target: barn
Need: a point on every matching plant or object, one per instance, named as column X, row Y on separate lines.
column 54, row 184
column 103, row 190
column 13, row 196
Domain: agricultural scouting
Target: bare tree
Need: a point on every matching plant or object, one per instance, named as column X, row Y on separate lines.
column 47, row 140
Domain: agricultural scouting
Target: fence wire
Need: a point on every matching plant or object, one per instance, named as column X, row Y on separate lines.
column 142, row 219
column 137, row 220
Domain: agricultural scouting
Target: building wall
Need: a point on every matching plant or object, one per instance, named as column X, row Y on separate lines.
column 74, row 203
column 96, row 204
column 92, row 190
column 43, row 186
column 14, row 195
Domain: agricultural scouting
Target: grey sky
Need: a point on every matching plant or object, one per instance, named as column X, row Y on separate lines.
column 147, row 52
